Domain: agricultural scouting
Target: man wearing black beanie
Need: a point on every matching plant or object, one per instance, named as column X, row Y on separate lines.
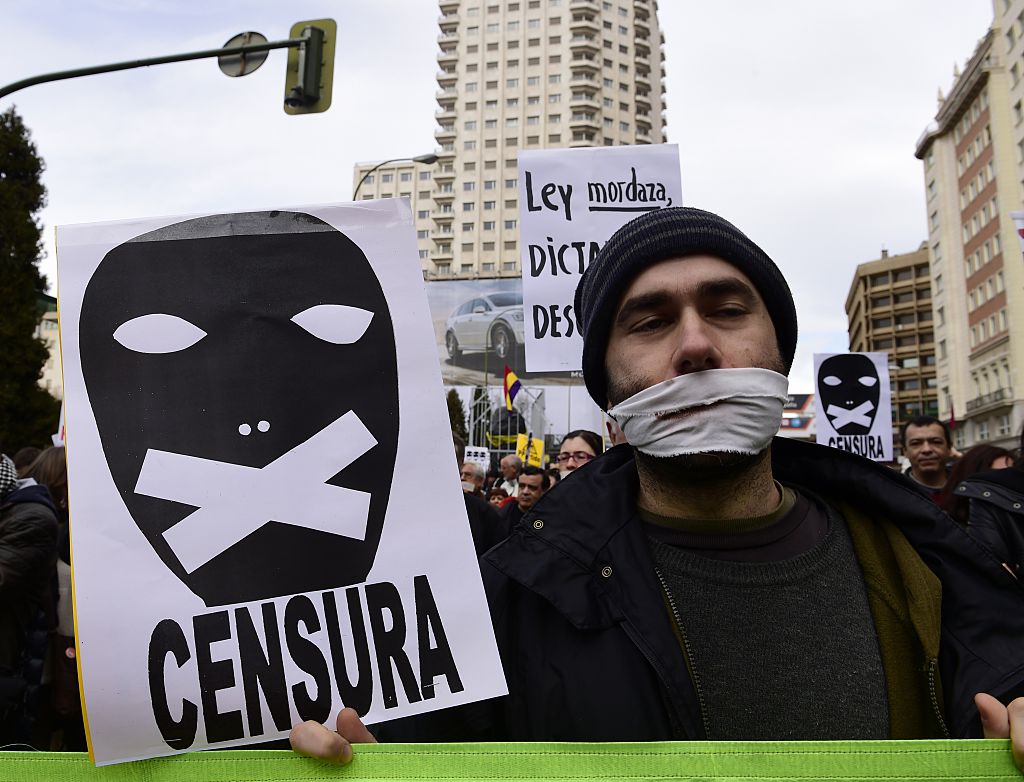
column 707, row 581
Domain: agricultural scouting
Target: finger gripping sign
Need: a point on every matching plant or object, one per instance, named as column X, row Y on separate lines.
column 571, row 201
column 247, row 392
column 853, row 399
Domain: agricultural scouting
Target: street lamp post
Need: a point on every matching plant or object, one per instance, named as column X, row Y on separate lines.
column 428, row 158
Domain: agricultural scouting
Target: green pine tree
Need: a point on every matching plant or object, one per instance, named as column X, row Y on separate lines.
column 457, row 414
column 28, row 413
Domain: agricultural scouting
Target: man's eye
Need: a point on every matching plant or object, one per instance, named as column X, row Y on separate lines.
column 730, row 311
column 648, row 324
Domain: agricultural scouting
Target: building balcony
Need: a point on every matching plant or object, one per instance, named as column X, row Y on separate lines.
column 444, row 174
column 448, row 23
column 641, row 26
column 447, row 151
column 643, row 101
column 584, row 65
column 442, row 256
column 444, row 194
column 448, row 93
column 584, row 43
column 585, row 24
column 441, row 235
column 643, row 82
column 584, row 122
column 442, row 216
column 642, row 49
column 447, row 78
column 445, row 113
column 1001, row 397
column 447, row 6
column 589, row 102
column 447, row 38
column 447, row 57
column 582, row 140
column 582, row 76
column 585, row 5
column 445, row 133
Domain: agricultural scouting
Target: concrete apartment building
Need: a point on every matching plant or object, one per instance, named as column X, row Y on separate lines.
column 889, row 310
column 521, row 74
column 972, row 168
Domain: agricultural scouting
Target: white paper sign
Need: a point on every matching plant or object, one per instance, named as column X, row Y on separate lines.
column 253, row 397
column 570, row 202
column 853, row 403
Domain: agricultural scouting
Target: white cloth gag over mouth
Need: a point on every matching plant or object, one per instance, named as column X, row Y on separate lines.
column 727, row 411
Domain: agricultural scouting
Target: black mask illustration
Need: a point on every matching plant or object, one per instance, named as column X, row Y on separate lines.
column 849, row 388
column 242, row 371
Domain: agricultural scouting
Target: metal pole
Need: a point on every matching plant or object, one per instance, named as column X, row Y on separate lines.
column 291, row 43
column 430, row 158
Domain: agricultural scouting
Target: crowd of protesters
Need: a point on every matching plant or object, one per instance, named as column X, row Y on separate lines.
column 824, row 596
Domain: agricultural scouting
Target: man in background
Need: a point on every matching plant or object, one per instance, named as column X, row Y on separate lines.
column 926, row 445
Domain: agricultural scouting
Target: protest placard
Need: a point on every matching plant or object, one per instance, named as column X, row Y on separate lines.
column 570, row 202
column 853, row 403
column 253, row 397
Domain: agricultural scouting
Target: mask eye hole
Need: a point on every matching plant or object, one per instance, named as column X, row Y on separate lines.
column 158, row 333
column 831, row 380
column 335, row 323
column 867, row 380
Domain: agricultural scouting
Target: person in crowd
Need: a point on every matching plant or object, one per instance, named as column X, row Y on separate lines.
column 50, row 470
column 576, row 449
column 533, row 482
column 497, row 497
column 712, row 581
column 511, row 467
column 28, row 554
column 23, row 459
column 979, row 458
column 554, row 474
column 991, row 504
column 926, row 445
column 486, row 524
column 473, row 475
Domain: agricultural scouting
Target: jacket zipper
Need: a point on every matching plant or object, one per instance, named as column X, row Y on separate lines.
column 934, row 696
column 688, row 652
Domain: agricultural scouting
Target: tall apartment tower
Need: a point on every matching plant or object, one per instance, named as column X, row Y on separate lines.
column 972, row 158
column 521, row 74
column 889, row 310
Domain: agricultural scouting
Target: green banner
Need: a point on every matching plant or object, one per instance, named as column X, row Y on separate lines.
column 769, row 761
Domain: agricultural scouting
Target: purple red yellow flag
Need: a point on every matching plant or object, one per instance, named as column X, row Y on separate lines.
column 512, row 386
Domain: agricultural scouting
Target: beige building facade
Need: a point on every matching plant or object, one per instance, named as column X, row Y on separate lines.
column 972, row 181
column 513, row 75
column 889, row 310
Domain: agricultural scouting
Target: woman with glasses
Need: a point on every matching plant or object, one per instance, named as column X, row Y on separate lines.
column 577, row 448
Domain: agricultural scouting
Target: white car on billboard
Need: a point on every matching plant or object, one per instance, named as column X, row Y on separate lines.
column 492, row 321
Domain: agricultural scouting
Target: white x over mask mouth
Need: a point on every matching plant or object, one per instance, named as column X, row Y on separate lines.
column 717, row 410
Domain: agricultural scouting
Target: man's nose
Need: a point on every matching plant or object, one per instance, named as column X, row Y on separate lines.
column 695, row 348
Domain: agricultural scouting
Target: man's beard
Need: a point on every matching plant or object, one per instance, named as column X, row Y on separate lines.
column 697, row 468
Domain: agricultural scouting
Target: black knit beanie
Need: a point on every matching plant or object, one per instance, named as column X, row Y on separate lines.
column 658, row 236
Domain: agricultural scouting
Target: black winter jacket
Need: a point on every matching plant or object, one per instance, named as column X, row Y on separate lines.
column 589, row 649
column 996, row 514
column 28, row 559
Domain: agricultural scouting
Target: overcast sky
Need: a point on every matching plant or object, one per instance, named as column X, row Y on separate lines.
column 796, row 119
